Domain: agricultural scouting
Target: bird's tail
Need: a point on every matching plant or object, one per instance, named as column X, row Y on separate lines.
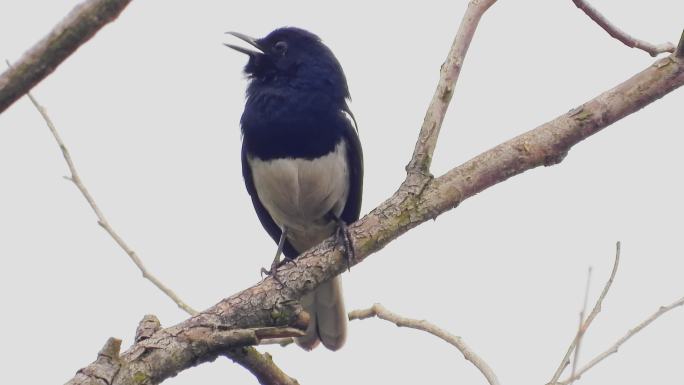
column 328, row 322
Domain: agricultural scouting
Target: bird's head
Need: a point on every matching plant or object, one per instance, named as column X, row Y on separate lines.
column 294, row 58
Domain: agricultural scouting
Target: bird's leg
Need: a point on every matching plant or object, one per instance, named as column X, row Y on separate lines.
column 276, row 261
column 343, row 233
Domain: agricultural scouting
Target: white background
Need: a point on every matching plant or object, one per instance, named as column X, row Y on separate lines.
column 150, row 110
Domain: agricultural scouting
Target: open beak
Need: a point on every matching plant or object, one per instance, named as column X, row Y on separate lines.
column 250, row 40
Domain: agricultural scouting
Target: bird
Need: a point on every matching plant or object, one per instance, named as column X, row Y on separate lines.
column 302, row 161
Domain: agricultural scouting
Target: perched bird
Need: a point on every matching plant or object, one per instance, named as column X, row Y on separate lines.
column 301, row 159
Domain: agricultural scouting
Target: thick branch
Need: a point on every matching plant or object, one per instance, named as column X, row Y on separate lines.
column 199, row 341
column 271, row 304
column 451, row 69
column 38, row 62
column 377, row 310
column 617, row 33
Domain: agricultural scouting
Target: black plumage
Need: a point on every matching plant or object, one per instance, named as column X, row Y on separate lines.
column 301, row 157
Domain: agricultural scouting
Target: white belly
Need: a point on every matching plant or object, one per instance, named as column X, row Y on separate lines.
column 299, row 193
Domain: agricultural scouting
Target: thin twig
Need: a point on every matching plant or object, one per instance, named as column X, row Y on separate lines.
column 587, row 323
column 260, row 365
column 101, row 220
column 614, row 348
column 582, row 313
column 451, row 69
column 39, row 61
column 617, row 33
column 377, row 310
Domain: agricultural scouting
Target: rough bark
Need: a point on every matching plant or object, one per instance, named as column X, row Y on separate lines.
column 45, row 56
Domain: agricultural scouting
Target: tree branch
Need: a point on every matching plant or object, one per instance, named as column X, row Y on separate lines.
column 614, row 348
column 38, row 62
column 451, row 69
column 617, row 33
column 377, row 310
column 585, row 325
column 270, row 304
column 199, row 339
column 262, row 366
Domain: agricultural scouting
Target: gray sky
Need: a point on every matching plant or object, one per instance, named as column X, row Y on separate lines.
column 150, row 110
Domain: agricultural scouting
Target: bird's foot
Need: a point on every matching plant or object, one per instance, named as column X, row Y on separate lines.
column 343, row 233
column 272, row 272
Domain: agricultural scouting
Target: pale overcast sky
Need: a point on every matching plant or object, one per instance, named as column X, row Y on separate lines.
column 150, row 110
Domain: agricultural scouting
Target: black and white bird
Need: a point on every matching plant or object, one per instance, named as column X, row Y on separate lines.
column 301, row 159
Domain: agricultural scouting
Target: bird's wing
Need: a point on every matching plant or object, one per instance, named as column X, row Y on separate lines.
column 264, row 217
column 352, row 208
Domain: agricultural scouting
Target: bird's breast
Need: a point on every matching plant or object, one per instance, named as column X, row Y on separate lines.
column 299, row 193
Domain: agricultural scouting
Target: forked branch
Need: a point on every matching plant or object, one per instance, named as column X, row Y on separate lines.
column 614, row 348
column 585, row 325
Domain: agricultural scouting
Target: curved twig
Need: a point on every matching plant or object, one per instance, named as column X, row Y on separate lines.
column 377, row 310
column 614, row 31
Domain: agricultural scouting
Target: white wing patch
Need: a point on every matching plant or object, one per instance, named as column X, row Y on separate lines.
column 299, row 193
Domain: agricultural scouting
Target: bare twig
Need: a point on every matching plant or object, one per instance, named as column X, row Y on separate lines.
column 45, row 56
column 617, row 33
column 595, row 311
column 614, row 348
column 582, row 313
column 101, row 220
column 377, row 310
column 451, row 69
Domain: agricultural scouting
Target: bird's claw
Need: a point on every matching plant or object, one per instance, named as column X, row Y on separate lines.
column 272, row 272
column 350, row 255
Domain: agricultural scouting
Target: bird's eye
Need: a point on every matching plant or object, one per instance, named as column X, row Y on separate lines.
column 280, row 47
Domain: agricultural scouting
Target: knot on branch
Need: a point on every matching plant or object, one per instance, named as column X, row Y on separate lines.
column 147, row 327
